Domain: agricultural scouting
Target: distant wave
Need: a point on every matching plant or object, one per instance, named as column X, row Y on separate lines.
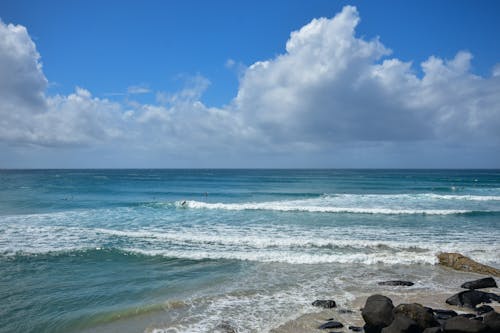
column 289, row 206
column 415, row 203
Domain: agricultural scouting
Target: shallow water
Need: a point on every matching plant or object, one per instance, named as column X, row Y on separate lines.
column 80, row 249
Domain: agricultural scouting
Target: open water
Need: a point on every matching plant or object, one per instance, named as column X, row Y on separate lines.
column 187, row 250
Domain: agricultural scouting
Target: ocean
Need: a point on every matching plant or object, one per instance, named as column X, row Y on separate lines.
column 191, row 250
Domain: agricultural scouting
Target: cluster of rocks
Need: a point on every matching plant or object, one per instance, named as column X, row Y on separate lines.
column 381, row 316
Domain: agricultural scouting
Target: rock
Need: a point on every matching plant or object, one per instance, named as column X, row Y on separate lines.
column 467, row 315
column 488, row 282
column 417, row 313
column 355, row 328
column 225, row 327
column 331, row 324
column 483, row 309
column 402, row 324
column 443, row 314
column 345, row 311
column 436, row 329
column 463, row 263
column 492, row 321
column 324, row 303
column 377, row 313
column 396, row 283
column 460, row 324
column 471, row 298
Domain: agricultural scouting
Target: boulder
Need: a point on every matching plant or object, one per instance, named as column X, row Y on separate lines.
column 324, row 303
column 377, row 313
column 471, row 298
column 355, row 328
column 396, row 283
column 483, row 309
column 467, row 315
column 488, row 282
column 462, row 263
column 402, row 324
column 417, row 313
column 443, row 314
column 331, row 324
column 492, row 321
column 460, row 324
column 433, row 330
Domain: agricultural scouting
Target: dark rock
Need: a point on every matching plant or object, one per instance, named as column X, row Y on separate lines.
column 417, row 313
column 488, row 282
column 345, row 311
column 471, row 298
column 225, row 327
column 483, row 309
column 492, row 321
column 460, row 324
column 444, row 314
column 377, row 313
column 402, row 324
column 467, row 315
column 396, row 283
column 477, row 318
column 436, row 329
column 324, row 303
column 331, row 324
column 494, row 297
column 355, row 328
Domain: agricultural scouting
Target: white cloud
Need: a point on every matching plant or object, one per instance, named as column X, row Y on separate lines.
column 331, row 91
column 331, row 86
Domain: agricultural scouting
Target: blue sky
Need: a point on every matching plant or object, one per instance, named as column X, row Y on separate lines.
column 171, row 84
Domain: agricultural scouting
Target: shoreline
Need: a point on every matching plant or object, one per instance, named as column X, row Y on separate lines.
column 168, row 318
column 351, row 316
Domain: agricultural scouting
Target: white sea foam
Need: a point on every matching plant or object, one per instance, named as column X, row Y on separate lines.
column 290, row 244
column 300, row 206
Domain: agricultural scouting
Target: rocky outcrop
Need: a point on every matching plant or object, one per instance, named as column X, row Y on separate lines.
column 377, row 313
column 488, row 282
column 462, row 263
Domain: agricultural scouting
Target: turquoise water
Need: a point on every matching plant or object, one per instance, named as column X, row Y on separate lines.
column 84, row 248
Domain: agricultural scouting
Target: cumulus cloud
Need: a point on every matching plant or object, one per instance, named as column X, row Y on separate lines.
column 331, row 86
column 330, row 91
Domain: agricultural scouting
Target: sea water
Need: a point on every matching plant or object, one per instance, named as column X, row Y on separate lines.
column 187, row 250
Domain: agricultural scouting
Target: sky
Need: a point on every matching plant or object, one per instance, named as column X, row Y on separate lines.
column 249, row 84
